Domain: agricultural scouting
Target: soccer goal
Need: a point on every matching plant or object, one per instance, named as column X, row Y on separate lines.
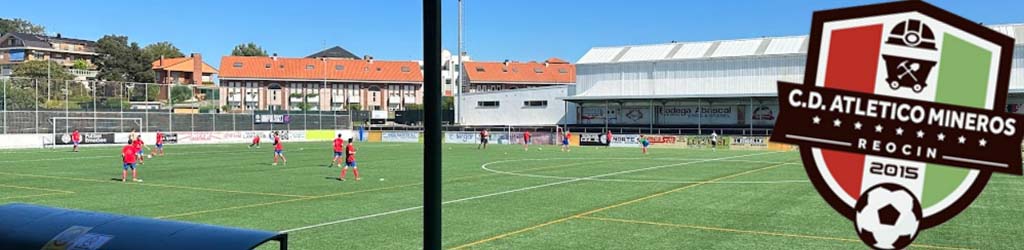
column 92, row 129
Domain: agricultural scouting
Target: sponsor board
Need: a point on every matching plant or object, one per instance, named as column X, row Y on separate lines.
column 625, row 140
column 462, row 137
column 593, row 139
column 748, row 142
column 400, row 136
column 704, row 141
column 87, row 138
column 271, row 119
column 689, row 115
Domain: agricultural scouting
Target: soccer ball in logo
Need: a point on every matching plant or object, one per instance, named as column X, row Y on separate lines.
column 888, row 217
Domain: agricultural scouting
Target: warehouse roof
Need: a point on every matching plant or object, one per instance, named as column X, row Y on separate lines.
column 727, row 48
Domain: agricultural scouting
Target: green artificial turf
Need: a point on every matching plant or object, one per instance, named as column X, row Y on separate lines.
column 590, row 198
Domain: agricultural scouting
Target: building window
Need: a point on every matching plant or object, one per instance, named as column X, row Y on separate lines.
column 479, row 69
column 237, row 65
column 535, row 104
column 339, row 67
column 405, row 69
column 309, row 66
column 266, row 66
column 487, row 104
column 538, row 70
column 448, row 81
column 563, row 71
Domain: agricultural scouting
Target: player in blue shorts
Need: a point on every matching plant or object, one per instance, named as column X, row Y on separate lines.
column 644, row 143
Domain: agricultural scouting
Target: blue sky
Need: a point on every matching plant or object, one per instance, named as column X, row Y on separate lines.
column 495, row 30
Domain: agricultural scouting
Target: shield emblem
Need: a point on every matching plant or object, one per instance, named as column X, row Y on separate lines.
column 867, row 63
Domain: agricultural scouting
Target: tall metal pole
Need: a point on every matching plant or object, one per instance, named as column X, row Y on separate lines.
column 67, row 113
column 458, row 82
column 5, row 106
column 35, row 99
column 432, row 124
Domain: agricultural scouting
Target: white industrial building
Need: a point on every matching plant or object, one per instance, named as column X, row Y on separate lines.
column 518, row 107
column 692, row 86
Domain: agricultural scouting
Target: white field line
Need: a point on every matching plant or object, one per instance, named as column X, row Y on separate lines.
column 484, row 167
column 515, row 191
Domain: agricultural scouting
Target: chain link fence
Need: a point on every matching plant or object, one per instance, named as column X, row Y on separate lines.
column 41, row 106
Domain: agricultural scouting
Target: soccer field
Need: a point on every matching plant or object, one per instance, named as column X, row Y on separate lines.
column 499, row 198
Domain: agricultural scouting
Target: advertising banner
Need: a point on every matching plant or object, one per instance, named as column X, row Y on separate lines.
column 461, row 137
column 633, row 115
column 593, row 139
column 626, row 140
column 594, row 115
column 704, row 141
column 661, row 139
column 764, row 114
column 749, row 142
column 710, row 115
column 400, row 136
column 87, row 138
column 271, row 119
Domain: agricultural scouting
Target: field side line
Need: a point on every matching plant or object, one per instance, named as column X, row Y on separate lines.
column 333, row 195
column 115, row 155
column 151, row 185
column 517, row 190
column 534, row 227
column 31, row 196
column 37, row 189
column 741, row 231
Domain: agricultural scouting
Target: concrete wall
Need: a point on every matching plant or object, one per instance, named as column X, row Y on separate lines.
column 512, row 110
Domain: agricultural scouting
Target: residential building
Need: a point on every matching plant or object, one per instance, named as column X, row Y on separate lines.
column 450, row 71
column 182, row 70
column 494, row 76
column 278, row 83
column 16, row 48
column 336, row 52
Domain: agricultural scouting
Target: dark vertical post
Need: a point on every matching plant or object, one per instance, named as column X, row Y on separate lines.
column 432, row 124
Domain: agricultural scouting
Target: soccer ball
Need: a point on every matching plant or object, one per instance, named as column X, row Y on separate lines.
column 149, row 156
column 888, row 216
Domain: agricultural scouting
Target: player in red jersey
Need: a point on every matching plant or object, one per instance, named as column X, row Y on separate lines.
column 140, row 147
column 159, row 143
column 484, row 136
column 279, row 150
column 565, row 141
column 255, row 141
column 350, row 161
column 76, row 138
column 526, row 140
column 339, row 148
column 608, row 137
column 128, row 157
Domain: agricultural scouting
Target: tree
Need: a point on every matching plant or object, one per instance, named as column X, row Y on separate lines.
column 81, row 64
column 121, row 61
column 248, row 49
column 180, row 94
column 42, row 70
column 20, row 98
column 154, row 51
column 20, row 26
column 448, row 103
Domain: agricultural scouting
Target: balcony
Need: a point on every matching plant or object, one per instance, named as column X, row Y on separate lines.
column 394, row 99
column 338, row 99
column 353, row 99
column 410, row 100
column 235, row 97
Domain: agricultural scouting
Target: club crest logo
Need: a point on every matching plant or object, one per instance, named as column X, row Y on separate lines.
column 901, row 116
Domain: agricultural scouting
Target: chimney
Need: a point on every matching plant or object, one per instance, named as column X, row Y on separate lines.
column 58, row 35
column 161, row 63
column 274, row 57
column 368, row 58
column 197, row 68
column 506, row 62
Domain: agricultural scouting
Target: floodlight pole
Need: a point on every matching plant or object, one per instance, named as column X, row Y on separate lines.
column 432, row 124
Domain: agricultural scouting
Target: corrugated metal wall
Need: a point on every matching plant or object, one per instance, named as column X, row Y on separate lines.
column 747, row 75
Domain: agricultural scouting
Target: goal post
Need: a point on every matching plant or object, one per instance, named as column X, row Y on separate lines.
column 94, row 130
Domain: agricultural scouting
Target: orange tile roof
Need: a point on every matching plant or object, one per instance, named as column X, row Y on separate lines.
column 182, row 64
column 255, row 67
column 556, row 71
